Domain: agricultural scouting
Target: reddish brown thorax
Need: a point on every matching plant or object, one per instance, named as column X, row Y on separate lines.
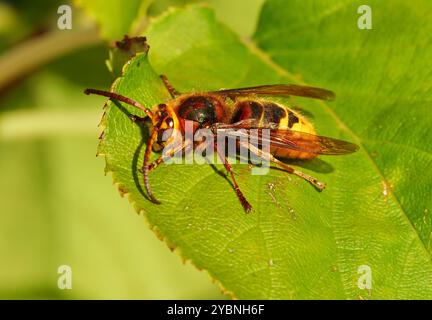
column 203, row 110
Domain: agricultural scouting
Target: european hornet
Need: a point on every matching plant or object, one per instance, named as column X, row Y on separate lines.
column 292, row 136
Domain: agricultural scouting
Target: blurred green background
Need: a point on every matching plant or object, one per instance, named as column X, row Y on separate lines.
column 57, row 207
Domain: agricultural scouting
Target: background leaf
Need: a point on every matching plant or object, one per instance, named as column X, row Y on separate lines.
column 297, row 243
column 383, row 81
column 115, row 17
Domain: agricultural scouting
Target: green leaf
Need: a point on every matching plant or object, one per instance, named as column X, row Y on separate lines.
column 115, row 17
column 296, row 243
column 382, row 77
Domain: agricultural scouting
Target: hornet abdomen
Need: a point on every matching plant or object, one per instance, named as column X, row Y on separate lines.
column 278, row 116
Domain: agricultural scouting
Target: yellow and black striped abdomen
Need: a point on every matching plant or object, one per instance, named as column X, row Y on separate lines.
column 280, row 116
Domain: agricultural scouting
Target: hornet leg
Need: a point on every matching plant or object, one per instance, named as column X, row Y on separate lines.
column 246, row 205
column 317, row 184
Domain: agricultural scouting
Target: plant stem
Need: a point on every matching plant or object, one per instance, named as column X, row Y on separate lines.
column 35, row 52
column 27, row 124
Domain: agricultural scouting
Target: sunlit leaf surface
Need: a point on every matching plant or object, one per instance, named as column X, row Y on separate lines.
column 296, row 243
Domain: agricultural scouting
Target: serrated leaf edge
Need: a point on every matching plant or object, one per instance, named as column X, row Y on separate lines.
column 124, row 192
